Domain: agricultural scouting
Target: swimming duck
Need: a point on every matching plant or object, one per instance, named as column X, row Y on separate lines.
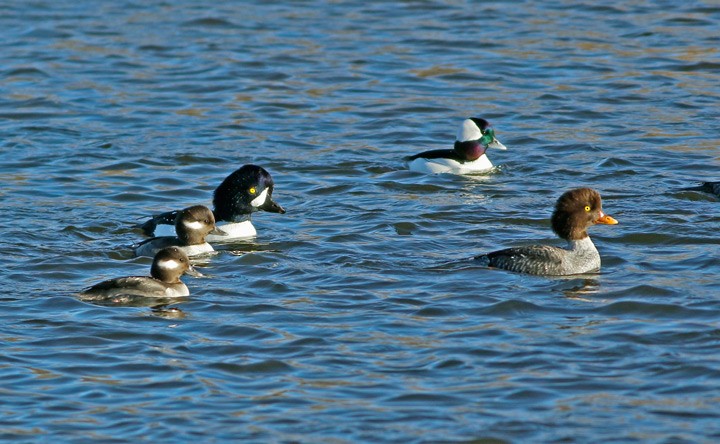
column 192, row 226
column 576, row 210
column 711, row 187
column 164, row 280
column 468, row 156
column 245, row 191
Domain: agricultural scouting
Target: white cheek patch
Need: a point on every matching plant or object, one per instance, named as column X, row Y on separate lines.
column 262, row 197
column 193, row 225
column 468, row 131
column 169, row 264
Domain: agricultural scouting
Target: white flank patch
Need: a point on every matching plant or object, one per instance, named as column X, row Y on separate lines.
column 194, row 250
column 196, row 225
column 262, row 197
column 178, row 292
column 236, row 230
column 169, row 264
column 436, row 166
column 468, row 131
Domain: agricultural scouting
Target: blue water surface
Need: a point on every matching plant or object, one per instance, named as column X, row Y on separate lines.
column 354, row 317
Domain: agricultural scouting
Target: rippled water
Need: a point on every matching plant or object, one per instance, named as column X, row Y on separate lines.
column 351, row 317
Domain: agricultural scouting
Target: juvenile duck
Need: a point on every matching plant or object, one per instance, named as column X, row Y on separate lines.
column 192, row 226
column 164, row 280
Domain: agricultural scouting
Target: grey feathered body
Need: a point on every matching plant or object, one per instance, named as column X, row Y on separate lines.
column 136, row 286
column 581, row 256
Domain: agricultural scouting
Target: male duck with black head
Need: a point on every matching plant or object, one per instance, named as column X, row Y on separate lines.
column 247, row 190
column 576, row 211
column 468, row 156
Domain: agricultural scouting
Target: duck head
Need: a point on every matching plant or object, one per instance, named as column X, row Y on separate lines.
column 243, row 192
column 474, row 137
column 577, row 210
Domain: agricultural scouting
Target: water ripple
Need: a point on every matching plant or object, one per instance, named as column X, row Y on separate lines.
column 358, row 305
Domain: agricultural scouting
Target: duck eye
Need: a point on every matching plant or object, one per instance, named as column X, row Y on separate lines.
column 587, row 207
column 252, row 190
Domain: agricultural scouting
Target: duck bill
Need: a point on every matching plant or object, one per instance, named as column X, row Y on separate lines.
column 217, row 231
column 193, row 272
column 271, row 207
column 605, row 219
column 497, row 145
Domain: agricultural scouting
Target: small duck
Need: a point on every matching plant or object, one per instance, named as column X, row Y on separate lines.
column 245, row 191
column 576, row 210
column 192, row 226
column 468, row 156
column 164, row 280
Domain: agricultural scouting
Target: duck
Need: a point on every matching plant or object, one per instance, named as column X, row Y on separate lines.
column 711, row 187
column 575, row 211
column 243, row 192
column 468, row 156
column 164, row 280
column 192, row 226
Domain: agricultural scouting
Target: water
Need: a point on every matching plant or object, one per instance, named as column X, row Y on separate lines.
column 351, row 317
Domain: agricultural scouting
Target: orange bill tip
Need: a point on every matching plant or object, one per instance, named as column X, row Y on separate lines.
column 605, row 219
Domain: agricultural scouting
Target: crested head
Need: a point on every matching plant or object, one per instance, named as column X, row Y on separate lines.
column 577, row 210
column 472, row 129
column 169, row 264
column 473, row 138
column 243, row 192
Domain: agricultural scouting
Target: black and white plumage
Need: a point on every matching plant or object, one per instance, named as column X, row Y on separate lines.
column 575, row 211
column 467, row 156
column 243, row 192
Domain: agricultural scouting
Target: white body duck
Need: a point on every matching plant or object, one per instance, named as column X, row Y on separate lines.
column 468, row 156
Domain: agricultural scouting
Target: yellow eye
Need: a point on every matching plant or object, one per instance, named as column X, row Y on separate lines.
column 587, row 207
column 252, row 190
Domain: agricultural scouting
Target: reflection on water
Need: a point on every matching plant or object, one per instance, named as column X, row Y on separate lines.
column 580, row 288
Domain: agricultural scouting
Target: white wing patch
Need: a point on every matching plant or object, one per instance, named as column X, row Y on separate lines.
column 262, row 197
column 169, row 264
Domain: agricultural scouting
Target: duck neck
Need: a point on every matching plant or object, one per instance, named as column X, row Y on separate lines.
column 167, row 276
column 194, row 238
column 582, row 245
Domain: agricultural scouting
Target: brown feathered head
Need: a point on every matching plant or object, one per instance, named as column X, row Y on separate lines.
column 575, row 211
